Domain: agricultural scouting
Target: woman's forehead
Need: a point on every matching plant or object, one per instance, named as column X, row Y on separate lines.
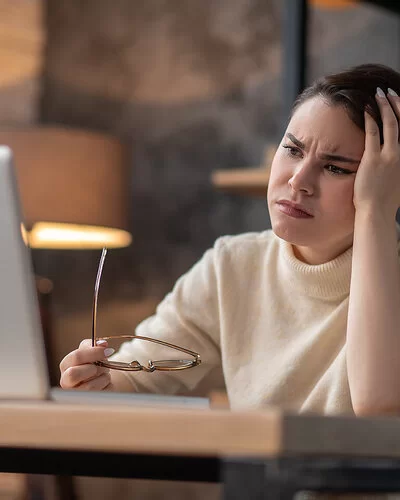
column 329, row 125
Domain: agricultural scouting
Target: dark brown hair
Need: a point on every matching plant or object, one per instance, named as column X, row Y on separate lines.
column 355, row 90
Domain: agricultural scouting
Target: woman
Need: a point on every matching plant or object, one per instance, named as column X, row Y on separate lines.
column 305, row 316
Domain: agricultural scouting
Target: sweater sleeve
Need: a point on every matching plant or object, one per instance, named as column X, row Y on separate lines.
column 188, row 317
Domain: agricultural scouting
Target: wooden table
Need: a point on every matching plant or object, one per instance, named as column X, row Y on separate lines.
column 255, row 454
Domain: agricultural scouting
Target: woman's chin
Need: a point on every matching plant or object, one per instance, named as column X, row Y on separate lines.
column 294, row 235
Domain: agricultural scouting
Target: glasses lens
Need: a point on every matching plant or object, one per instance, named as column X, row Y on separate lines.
column 133, row 352
column 117, row 365
column 172, row 363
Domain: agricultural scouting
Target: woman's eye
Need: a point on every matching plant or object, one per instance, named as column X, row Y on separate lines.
column 337, row 170
column 292, row 151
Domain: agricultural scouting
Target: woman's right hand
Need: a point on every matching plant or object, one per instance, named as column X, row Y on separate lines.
column 78, row 370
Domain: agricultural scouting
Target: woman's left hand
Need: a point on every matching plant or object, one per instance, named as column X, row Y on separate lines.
column 377, row 183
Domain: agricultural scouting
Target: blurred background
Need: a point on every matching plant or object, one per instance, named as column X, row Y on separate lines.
column 181, row 89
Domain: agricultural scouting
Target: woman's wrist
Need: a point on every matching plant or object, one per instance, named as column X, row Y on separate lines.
column 375, row 216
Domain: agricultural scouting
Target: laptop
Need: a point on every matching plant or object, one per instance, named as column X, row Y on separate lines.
column 24, row 371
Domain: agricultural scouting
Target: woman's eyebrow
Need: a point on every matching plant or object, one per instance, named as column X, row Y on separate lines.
column 342, row 159
column 325, row 156
column 296, row 141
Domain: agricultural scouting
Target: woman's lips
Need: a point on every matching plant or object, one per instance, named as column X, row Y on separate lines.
column 292, row 211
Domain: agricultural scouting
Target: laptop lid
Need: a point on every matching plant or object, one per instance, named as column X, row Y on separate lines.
column 23, row 366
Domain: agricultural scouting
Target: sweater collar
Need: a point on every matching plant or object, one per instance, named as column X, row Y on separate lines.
column 328, row 281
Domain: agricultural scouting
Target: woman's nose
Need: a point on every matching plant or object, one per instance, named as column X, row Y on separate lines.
column 302, row 179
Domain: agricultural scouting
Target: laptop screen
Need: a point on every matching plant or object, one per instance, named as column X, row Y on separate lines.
column 23, row 368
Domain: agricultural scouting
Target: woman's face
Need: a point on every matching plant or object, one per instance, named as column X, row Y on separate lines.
column 314, row 169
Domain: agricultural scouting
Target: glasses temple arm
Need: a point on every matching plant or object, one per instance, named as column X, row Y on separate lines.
column 167, row 344
column 96, row 294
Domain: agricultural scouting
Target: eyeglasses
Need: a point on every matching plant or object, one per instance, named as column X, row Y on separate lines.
column 162, row 365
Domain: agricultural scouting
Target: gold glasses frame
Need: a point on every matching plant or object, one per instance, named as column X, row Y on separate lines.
column 160, row 365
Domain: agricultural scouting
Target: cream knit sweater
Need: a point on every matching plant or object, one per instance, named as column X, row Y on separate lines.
column 272, row 327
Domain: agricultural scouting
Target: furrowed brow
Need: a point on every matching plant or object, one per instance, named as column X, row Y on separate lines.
column 296, row 141
column 339, row 158
column 325, row 156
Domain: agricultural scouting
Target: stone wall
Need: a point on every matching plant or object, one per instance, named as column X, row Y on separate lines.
column 191, row 87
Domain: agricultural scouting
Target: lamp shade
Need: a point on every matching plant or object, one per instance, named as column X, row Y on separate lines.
column 73, row 186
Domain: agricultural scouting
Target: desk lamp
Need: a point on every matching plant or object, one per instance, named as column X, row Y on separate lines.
column 74, row 192
column 73, row 187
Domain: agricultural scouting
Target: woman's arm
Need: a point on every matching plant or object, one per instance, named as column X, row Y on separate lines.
column 373, row 331
column 188, row 317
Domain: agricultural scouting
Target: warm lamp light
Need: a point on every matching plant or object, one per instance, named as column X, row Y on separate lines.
column 73, row 187
column 334, row 4
column 56, row 235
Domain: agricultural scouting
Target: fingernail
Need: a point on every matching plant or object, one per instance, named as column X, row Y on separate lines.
column 108, row 351
column 101, row 342
column 392, row 92
column 380, row 92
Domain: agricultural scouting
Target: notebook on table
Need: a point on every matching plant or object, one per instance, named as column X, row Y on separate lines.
column 24, row 371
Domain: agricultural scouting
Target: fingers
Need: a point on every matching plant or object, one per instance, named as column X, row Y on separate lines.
column 77, row 367
column 85, row 354
column 372, row 140
column 100, row 383
column 394, row 101
column 88, row 343
column 75, row 376
column 389, row 109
